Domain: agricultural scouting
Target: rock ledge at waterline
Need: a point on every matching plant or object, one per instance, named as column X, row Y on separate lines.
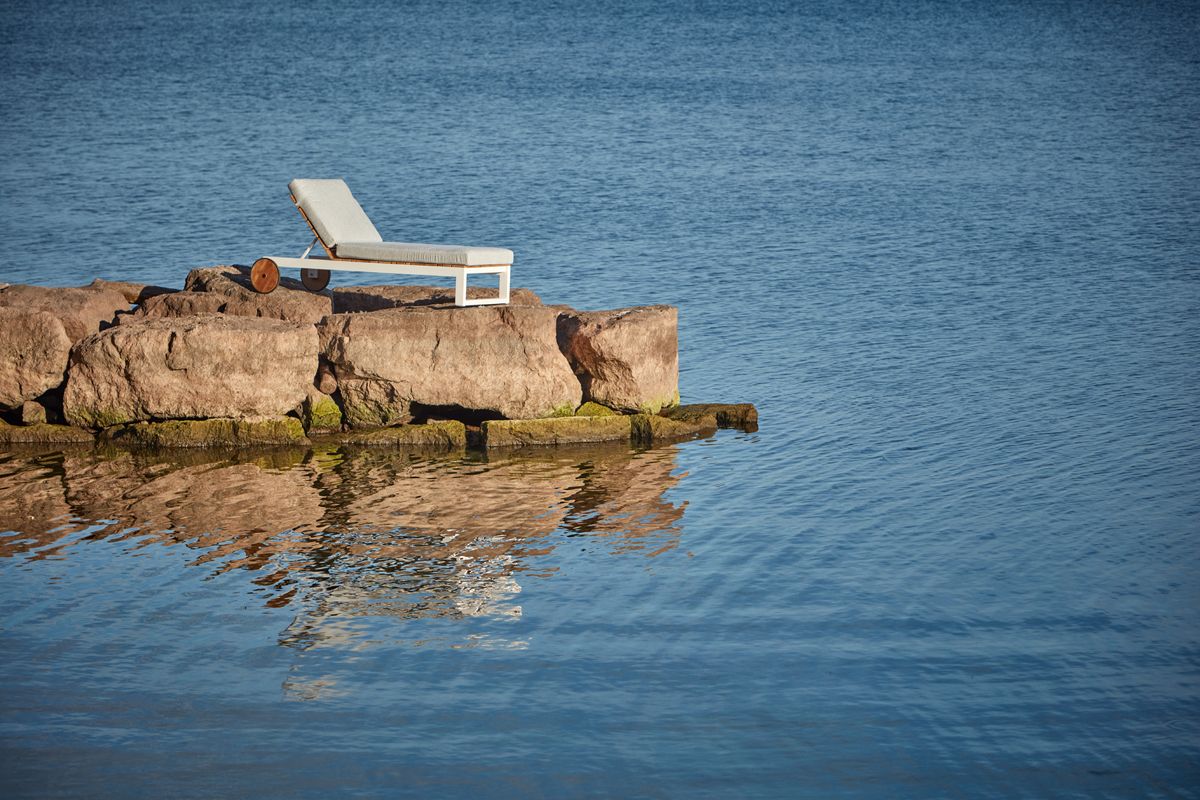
column 219, row 365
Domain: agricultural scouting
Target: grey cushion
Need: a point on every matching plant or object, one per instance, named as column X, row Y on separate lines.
column 333, row 211
column 424, row 253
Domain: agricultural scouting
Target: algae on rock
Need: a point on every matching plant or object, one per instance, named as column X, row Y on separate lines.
column 446, row 434
column 211, row 433
column 41, row 433
column 554, row 431
column 648, row 428
column 594, row 409
column 728, row 415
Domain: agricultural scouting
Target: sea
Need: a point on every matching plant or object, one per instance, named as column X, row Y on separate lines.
column 950, row 250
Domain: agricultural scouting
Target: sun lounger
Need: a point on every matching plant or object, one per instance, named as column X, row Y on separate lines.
column 351, row 243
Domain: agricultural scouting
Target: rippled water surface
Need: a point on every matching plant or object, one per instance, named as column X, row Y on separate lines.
column 949, row 250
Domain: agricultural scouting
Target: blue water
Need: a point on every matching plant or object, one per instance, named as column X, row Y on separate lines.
column 951, row 251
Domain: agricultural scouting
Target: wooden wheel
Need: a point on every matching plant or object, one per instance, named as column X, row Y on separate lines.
column 264, row 275
column 314, row 279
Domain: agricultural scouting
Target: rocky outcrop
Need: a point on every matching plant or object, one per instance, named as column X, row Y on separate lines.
column 499, row 361
column 351, row 299
column 290, row 301
column 34, row 347
column 220, row 364
column 627, row 359
column 202, row 367
column 81, row 311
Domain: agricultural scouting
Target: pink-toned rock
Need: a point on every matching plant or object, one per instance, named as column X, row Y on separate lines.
column 493, row 360
column 290, row 300
column 133, row 292
column 349, row 299
column 179, row 304
column 188, row 304
column 33, row 413
column 82, row 311
column 34, row 348
column 326, row 381
column 201, row 367
column 626, row 359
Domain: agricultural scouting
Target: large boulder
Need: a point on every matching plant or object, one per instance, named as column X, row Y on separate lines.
column 34, row 348
column 290, row 300
column 487, row 360
column 626, row 359
column 200, row 367
column 347, row 299
column 82, row 311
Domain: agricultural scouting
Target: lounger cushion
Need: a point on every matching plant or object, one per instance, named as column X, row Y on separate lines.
column 333, row 211
column 406, row 253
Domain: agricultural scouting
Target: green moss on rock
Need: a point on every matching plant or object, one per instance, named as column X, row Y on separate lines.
column 560, row 410
column 98, row 418
column 212, row 433
column 593, row 409
column 41, row 433
column 448, row 434
column 370, row 415
column 728, row 415
column 322, row 415
column 555, row 431
column 649, row 428
column 657, row 404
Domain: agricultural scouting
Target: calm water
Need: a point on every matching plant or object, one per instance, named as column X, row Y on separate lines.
column 950, row 250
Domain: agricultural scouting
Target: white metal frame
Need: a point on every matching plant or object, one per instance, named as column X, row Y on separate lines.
column 459, row 273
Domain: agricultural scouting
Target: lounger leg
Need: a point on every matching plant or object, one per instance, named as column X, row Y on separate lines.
column 460, row 289
column 504, row 287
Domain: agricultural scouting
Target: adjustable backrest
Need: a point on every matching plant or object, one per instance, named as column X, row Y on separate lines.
column 333, row 211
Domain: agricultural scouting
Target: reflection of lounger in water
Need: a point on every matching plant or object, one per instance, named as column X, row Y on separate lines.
column 351, row 243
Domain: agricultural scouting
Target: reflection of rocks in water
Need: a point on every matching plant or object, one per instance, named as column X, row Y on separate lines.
column 215, row 500
column 345, row 534
column 623, row 498
column 430, row 538
column 32, row 502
